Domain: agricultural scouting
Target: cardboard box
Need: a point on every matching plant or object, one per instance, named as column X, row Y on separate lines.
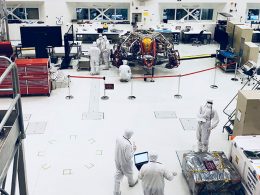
column 242, row 34
column 247, row 119
column 250, row 52
column 231, row 30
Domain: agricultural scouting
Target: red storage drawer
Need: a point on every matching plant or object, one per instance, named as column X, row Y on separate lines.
column 39, row 90
column 38, row 82
column 4, row 63
column 21, row 70
column 32, row 62
column 23, row 83
column 37, row 70
column 33, row 76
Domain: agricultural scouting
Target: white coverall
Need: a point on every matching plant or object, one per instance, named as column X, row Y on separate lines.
column 125, row 72
column 99, row 45
column 124, row 163
column 152, row 175
column 94, row 54
column 208, row 120
column 105, row 51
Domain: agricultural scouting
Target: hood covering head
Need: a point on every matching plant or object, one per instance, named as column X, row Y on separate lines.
column 153, row 156
column 128, row 133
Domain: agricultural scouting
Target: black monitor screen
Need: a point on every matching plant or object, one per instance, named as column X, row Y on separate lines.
column 35, row 36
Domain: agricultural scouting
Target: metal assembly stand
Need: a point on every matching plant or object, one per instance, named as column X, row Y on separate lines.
column 11, row 136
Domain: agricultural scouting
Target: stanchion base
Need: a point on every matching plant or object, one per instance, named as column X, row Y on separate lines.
column 234, row 79
column 104, row 97
column 131, row 97
column 213, row 86
column 69, row 97
column 178, row 96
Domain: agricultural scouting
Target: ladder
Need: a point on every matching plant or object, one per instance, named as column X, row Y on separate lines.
column 229, row 125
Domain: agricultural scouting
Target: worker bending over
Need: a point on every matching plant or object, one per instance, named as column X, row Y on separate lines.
column 125, row 72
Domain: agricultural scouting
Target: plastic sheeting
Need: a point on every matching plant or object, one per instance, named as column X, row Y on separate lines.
column 210, row 173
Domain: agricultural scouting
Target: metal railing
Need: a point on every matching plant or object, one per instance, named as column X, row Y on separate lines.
column 231, row 115
column 16, row 103
column 19, row 170
column 255, row 87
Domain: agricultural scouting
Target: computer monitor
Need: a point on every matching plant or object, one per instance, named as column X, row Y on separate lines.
column 41, row 37
column 254, row 17
column 141, row 159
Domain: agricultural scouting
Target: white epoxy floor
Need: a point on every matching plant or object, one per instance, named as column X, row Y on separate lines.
column 76, row 156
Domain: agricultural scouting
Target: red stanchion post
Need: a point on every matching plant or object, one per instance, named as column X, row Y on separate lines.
column 178, row 95
column 132, row 97
column 69, row 96
column 104, row 97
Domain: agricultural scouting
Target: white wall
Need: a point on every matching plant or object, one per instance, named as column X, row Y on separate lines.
column 50, row 9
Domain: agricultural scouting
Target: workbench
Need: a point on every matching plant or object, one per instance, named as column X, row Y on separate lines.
column 187, row 36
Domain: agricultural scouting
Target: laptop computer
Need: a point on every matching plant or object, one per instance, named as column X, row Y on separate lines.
column 141, row 159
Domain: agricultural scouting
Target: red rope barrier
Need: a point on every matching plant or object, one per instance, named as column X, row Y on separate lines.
column 142, row 77
column 183, row 75
column 86, row 77
column 157, row 77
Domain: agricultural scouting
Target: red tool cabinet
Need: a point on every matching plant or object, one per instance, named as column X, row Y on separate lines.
column 6, row 49
column 33, row 77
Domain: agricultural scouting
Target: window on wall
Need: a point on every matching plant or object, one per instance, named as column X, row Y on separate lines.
column 194, row 14
column 121, row 14
column 169, row 14
column 94, row 13
column 102, row 14
column 20, row 13
column 253, row 14
column 24, row 14
column 32, row 13
column 82, row 13
column 181, row 13
column 10, row 17
column 188, row 14
column 110, row 14
column 207, row 14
